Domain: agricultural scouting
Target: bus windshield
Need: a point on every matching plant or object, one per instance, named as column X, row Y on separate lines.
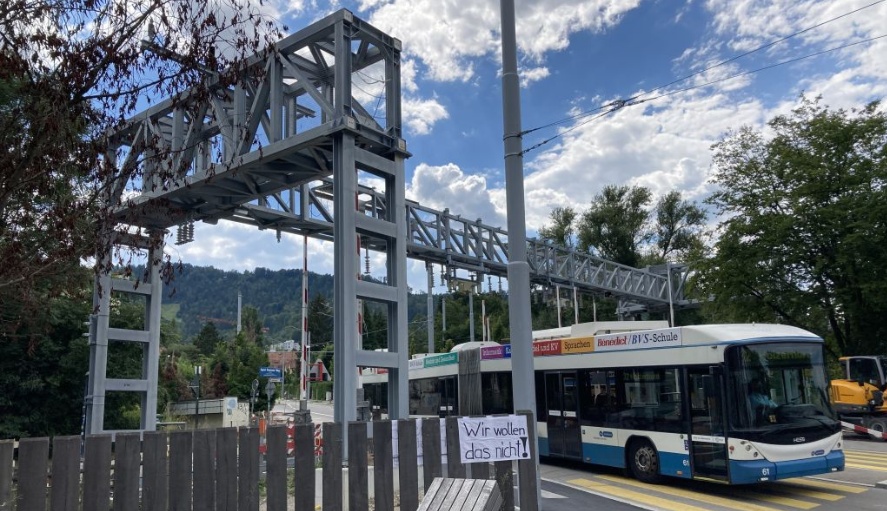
column 778, row 391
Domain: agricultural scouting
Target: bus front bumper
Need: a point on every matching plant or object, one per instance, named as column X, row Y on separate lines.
column 747, row 472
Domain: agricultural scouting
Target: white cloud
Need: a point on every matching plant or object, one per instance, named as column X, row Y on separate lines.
column 448, row 35
column 235, row 246
column 447, row 186
column 419, row 115
column 533, row 74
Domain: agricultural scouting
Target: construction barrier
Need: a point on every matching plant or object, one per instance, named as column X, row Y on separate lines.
column 290, row 439
column 318, row 440
column 880, row 435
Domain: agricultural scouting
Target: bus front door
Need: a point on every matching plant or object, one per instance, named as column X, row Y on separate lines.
column 708, row 443
column 564, row 434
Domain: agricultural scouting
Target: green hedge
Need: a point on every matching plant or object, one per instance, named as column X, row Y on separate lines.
column 320, row 388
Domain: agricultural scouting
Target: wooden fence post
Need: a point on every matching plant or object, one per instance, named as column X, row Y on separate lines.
column 383, row 465
column 303, row 475
column 204, row 470
column 155, row 471
column 33, row 454
column 6, row 451
column 96, row 473
column 65, row 495
column 275, row 466
column 455, row 467
column 127, row 469
column 226, row 469
column 358, row 489
column 431, row 451
column 408, row 469
column 248, row 469
column 332, row 466
column 180, row 447
column 505, row 482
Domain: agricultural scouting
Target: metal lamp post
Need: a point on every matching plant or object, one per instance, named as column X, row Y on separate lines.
column 269, row 391
column 195, row 386
column 253, row 394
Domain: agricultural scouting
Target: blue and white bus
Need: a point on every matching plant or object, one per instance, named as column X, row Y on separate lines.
column 660, row 402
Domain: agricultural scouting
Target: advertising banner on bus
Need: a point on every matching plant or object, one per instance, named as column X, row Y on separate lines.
column 441, row 360
column 577, row 345
column 494, row 352
column 666, row 338
column 543, row 348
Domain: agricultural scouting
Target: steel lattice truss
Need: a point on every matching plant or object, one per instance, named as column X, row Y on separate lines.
column 260, row 152
column 201, row 155
column 444, row 238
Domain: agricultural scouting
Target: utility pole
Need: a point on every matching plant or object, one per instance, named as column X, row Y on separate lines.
column 519, row 324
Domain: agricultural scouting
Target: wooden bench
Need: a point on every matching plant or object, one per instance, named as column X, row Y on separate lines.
column 462, row 494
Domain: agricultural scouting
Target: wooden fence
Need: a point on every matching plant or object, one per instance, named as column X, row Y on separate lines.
column 222, row 470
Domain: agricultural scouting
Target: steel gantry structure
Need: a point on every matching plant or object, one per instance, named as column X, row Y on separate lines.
column 307, row 140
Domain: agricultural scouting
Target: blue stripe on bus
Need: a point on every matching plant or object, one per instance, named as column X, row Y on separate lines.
column 744, row 472
column 610, row 455
column 674, row 464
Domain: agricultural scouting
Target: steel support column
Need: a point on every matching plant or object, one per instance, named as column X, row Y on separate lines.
column 101, row 334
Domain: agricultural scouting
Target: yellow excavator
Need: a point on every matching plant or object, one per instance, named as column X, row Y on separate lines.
column 858, row 397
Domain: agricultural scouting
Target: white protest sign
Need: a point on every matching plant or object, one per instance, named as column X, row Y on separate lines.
column 484, row 439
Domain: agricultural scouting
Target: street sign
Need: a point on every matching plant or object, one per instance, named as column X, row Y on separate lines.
column 270, row 372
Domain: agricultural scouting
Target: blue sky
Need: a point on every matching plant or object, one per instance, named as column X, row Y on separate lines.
column 576, row 56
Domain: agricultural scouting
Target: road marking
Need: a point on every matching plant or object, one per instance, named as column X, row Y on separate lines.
column 867, row 453
column 784, row 501
column 826, row 485
column 692, row 495
column 551, row 495
column 631, row 495
column 813, row 494
column 865, row 467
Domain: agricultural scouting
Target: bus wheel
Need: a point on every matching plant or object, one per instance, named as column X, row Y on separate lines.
column 643, row 460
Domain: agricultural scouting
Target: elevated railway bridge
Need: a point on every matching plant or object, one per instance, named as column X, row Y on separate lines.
column 292, row 146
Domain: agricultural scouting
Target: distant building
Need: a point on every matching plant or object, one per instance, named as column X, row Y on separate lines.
column 214, row 413
column 283, row 359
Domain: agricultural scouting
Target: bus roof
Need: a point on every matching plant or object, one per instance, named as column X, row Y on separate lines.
column 714, row 334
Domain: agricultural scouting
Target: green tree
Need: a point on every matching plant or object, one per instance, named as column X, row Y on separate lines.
column 251, row 325
column 207, row 339
column 240, row 361
column 615, row 225
column 43, row 375
column 678, row 229
column 71, row 72
column 320, row 320
column 803, row 236
column 561, row 231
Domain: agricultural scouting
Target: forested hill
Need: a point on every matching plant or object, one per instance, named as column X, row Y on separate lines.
column 201, row 294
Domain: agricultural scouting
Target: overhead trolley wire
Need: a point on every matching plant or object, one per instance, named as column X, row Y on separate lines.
column 631, row 101
column 763, row 47
column 635, row 100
